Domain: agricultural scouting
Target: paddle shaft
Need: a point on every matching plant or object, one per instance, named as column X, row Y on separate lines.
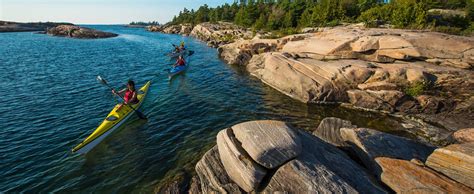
column 139, row 114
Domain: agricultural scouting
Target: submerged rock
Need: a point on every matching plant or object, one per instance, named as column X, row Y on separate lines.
column 72, row 31
column 455, row 161
column 406, row 177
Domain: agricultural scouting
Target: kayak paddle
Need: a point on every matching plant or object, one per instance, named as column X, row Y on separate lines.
column 104, row 82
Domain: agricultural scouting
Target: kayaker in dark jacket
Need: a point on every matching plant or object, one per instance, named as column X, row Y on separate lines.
column 129, row 94
column 180, row 61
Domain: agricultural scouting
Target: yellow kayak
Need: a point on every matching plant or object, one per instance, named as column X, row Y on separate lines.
column 112, row 122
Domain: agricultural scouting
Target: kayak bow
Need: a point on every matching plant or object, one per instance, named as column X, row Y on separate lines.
column 112, row 122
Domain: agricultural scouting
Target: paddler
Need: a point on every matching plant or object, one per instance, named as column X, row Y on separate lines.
column 181, row 46
column 129, row 94
column 180, row 61
column 176, row 49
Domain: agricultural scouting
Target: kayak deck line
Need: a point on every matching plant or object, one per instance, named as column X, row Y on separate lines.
column 113, row 121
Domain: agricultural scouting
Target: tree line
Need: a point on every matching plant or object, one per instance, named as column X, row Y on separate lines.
column 140, row 23
column 271, row 15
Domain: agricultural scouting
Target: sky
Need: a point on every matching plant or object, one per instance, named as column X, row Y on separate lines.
column 99, row 11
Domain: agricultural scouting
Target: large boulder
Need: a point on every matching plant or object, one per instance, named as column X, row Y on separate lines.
column 406, row 177
column 369, row 144
column 238, row 164
column 308, row 80
column 213, row 178
column 455, row 161
column 73, row 31
column 269, row 143
column 329, row 130
column 321, row 168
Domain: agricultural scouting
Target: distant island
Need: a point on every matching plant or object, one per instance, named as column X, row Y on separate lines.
column 73, row 31
column 55, row 29
column 8, row 26
column 142, row 24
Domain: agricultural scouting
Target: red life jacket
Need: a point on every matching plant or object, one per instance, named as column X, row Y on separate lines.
column 181, row 62
column 128, row 96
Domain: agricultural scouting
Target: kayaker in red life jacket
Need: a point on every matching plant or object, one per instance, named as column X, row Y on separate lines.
column 129, row 94
column 180, row 61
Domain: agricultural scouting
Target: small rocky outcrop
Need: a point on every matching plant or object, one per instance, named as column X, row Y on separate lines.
column 72, row 31
column 455, row 161
column 221, row 33
column 241, row 52
column 154, row 28
column 407, row 177
column 183, row 29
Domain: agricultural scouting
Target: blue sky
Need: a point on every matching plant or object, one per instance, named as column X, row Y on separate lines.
column 97, row 12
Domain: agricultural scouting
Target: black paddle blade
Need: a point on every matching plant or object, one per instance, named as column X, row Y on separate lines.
column 190, row 53
column 140, row 115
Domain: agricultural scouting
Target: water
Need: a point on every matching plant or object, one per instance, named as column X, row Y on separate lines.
column 51, row 101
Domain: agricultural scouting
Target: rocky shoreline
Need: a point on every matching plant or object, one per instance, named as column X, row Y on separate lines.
column 418, row 75
column 422, row 77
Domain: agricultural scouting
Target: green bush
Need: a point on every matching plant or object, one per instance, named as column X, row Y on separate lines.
column 374, row 15
column 469, row 31
column 409, row 14
column 417, row 88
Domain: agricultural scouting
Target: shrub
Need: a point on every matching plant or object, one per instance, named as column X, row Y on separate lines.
column 417, row 88
column 469, row 31
column 373, row 16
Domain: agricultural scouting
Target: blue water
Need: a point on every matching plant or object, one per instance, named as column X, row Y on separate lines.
column 50, row 102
